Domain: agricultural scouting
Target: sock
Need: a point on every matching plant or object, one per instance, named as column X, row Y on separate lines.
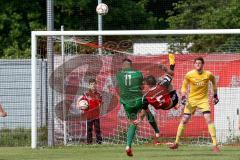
column 180, row 131
column 171, row 58
column 212, row 131
column 152, row 122
column 130, row 134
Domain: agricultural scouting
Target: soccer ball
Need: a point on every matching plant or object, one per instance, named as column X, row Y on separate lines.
column 82, row 105
column 102, row 9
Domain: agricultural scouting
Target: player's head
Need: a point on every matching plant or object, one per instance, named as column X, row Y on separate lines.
column 92, row 84
column 198, row 63
column 149, row 82
column 126, row 63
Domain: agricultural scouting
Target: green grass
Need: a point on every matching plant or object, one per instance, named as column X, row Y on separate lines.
column 116, row 152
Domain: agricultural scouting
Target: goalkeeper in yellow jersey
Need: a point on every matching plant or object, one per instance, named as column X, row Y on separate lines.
column 198, row 82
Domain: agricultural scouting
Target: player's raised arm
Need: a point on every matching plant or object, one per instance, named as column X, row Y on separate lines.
column 170, row 70
column 171, row 59
column 166, row 70
column 184, row 90
column 185, row 85
column 214, row 85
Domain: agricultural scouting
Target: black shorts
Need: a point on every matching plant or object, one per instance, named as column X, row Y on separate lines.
column 174, row 97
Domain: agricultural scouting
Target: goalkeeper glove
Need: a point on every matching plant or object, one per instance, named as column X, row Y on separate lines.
column 215, row 99
column 183, row 100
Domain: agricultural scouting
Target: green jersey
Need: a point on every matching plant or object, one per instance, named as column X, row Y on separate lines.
column 129, row 84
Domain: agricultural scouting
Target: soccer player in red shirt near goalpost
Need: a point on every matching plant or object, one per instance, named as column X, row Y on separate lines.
column 94, row 99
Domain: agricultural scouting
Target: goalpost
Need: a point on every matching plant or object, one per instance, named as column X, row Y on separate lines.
column 175, row 40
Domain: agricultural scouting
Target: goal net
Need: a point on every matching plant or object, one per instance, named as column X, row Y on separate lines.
column 73, row 58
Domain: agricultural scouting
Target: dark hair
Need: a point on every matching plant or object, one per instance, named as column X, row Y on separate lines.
column 126, row 60
column 199, row 59
column 91, row 80
column 150, row 80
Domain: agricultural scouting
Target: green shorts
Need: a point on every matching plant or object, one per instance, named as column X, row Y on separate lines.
column 132, row 107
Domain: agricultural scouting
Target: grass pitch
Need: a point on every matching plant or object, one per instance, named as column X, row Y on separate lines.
column 116, row 152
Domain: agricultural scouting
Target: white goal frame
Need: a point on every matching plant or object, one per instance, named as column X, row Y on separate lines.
column 35, row 34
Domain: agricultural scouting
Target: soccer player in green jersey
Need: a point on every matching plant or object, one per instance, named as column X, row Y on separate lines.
column 129, row 84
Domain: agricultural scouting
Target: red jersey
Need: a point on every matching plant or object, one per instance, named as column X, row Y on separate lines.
column 94, row 100
column 158, row 97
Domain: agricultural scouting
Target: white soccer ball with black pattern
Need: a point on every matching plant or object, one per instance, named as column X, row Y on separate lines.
column 82, row 105
column 102, row 9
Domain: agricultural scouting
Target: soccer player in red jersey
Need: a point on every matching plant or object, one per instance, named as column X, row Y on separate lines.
column 94, row 99
column 159, row 94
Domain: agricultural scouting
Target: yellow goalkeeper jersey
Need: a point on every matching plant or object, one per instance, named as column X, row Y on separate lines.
column 198, row 84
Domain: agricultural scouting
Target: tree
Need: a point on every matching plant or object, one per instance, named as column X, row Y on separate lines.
column 123, row 14
column 206, row 14
column 19, row 17
column 16, row 22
